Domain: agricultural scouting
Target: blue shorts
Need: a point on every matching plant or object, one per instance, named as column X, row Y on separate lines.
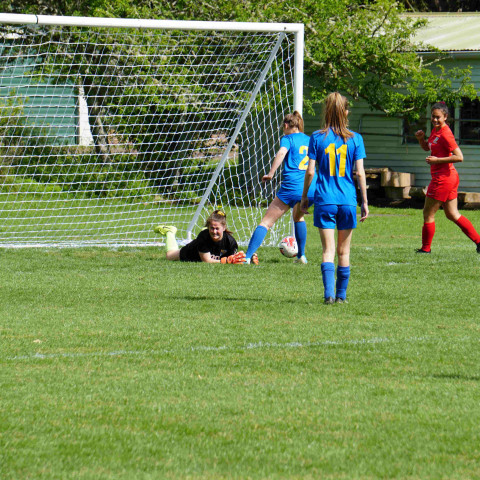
column 344, row 217
column 292, row 198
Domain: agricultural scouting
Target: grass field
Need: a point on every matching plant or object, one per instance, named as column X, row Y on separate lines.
column 118, row 365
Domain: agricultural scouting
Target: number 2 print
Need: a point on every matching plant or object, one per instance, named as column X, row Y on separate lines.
column 304, row 163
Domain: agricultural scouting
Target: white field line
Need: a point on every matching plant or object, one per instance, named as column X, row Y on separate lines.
column 210, row 348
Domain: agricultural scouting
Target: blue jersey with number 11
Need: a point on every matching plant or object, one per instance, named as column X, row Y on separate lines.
column 296, row 161
column 335, row 164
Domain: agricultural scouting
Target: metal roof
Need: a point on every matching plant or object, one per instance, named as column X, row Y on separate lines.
column 450, row 32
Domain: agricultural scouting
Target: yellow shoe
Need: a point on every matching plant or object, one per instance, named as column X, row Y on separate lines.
column 164, row 229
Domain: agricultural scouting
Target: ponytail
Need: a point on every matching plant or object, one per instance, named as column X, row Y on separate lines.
column 336, row 116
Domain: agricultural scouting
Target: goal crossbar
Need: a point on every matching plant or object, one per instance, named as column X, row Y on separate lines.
column 29, row 19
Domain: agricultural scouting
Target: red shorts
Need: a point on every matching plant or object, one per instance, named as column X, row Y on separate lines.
column 444, row 187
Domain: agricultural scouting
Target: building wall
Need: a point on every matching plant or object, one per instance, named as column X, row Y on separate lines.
column 51, row 108
column 385, row 146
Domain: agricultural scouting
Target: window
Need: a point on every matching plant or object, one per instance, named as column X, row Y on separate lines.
column 469, row 122
column 409, row 129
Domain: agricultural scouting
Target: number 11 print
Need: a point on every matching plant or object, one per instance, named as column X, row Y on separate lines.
column 332, row 157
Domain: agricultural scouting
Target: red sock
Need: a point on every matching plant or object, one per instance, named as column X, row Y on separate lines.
column 428, row 231
column 468, row 229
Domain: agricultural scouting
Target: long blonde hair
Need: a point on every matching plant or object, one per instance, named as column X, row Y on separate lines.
column 294, row 120
column 336, row 116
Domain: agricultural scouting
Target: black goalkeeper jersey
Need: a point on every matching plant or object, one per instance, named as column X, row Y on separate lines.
column 204, row 243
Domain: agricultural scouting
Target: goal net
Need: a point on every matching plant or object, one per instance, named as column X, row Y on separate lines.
column 109, row 130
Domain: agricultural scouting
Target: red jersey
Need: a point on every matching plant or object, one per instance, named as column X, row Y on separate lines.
column 442, row 143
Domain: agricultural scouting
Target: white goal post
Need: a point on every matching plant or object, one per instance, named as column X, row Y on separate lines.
column 109, row 127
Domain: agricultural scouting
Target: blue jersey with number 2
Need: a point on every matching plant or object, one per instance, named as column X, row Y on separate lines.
column 295, row 162
column 335, row 164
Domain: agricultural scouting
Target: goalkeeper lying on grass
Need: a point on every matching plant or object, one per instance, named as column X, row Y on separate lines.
column 215, row 244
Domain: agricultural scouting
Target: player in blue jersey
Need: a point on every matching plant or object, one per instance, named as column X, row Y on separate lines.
column 293, row 153
column 336, row 152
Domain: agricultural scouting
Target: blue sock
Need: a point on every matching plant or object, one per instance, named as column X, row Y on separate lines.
column 328, row 277
column 301, row 237
column 343, row 275
column 256, row 240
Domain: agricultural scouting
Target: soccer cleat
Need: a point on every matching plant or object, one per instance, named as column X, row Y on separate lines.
column 329, row 301
column 164, row 229
column 478, row 247
column 302, row 259
column 340, row 300
column 253, row 260
column 420, row 250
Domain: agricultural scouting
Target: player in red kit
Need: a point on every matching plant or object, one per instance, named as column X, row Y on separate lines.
column 442, row 190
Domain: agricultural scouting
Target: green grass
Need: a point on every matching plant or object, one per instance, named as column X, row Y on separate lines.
column 115, row 364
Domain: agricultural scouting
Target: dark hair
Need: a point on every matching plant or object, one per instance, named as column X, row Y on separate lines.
column 220, row 217
column 336, row 116
column 294, row 120
column 440, row 106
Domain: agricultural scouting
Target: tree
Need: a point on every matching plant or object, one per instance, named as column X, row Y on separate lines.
column 48, row 7
column 138, row 86
column 362, row 47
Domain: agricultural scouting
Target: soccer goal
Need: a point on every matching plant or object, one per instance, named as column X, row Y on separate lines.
column 109, row 127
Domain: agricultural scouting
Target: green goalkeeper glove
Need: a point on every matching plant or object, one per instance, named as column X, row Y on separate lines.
column 238, row 257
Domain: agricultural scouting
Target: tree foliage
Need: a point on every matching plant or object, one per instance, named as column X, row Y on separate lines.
column 361, row 47
column 141, row 88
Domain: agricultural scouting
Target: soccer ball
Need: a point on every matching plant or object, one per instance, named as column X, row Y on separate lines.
column 288, row 247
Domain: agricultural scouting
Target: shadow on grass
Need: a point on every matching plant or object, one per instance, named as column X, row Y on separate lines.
column 243, row 299
column 457, row 376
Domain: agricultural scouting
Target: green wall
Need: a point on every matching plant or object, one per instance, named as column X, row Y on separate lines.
column 52, row 108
